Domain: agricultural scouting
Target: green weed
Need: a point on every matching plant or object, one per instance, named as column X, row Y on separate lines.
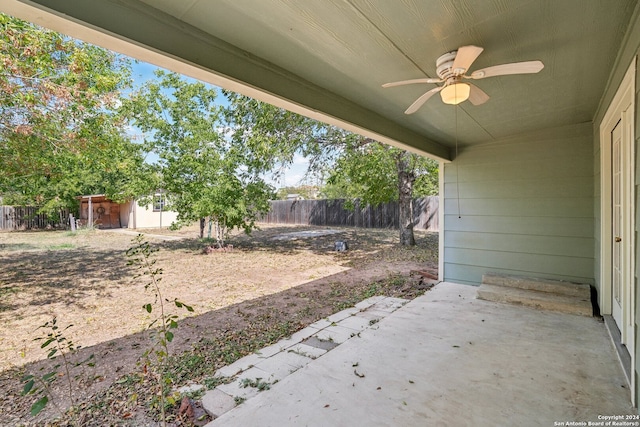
column 142, row 256
column 257, row 383
column 55, row 344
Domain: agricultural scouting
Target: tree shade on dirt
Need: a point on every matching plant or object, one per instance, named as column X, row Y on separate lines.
column 264, row 289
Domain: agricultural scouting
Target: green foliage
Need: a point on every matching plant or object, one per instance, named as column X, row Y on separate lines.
column 272, row 135
column 206, row 174
column 277, row 135
column 369, row 172
column 142, row 256
column 55, row 344
column 60, row 133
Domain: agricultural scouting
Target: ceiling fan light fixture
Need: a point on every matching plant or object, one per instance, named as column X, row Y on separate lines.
column 455, row 94
column 454, row 66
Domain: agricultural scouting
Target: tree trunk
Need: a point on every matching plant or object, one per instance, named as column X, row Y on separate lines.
column 405, row 199
column 202, row 220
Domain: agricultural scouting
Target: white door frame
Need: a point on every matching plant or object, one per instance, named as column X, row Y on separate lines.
column 622, row 109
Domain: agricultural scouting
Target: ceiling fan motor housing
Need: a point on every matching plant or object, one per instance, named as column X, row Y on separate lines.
column 444, row 65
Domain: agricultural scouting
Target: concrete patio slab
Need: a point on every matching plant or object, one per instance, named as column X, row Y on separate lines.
column 389, row 304
column 372, row 315
column 282, row 364
column 341, row 315
column 448, row 359
column 307, row 350
column 336, row 334
column 257, row 372
column 239, row 389
column 369, row 302
column 239, row 365
column 218, row 402
column 304, row 333
column 356, row 323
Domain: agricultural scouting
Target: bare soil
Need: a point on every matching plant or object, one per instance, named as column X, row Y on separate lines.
column 269, row 285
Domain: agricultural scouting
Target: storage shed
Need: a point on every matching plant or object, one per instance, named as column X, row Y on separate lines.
column 105, row 213
column 98, row 210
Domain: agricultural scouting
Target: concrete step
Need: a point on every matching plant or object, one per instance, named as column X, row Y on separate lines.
column 537, row 299
column 581, row 290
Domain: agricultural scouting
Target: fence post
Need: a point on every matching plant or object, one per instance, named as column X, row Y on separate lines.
column 90, row 214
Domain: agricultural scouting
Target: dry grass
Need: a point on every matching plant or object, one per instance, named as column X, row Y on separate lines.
column 261, row 291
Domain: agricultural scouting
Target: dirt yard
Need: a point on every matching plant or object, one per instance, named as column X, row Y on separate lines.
column 271, row 284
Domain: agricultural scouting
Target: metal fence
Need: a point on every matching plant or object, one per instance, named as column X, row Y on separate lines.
column 28, row 218
column 335, row 213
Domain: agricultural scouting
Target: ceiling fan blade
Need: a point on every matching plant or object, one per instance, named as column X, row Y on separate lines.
column 410, row 82
column 528, row 67
column 464, row 58
column 420, row 101
column 477, row 96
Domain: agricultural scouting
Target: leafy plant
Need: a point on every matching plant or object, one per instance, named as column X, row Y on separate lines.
column 142, row 256
column 61, row 134
column 55, row 343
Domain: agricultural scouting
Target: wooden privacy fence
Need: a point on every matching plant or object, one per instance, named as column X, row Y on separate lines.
column 27, row 218
column 334, row 213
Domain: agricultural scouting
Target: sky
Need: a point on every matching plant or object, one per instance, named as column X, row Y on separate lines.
column 292, row 177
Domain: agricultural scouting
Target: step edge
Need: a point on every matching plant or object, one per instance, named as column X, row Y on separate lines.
column 569, row 306
column 540, row 285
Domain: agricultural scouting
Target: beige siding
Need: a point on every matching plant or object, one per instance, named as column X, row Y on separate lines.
column 145, row 217
column 525, row 207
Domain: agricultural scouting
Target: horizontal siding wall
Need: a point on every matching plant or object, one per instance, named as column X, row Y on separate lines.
column 630, row 49
column 525, row 208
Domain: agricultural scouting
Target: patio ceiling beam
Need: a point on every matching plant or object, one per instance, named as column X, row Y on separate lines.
column 132, row 28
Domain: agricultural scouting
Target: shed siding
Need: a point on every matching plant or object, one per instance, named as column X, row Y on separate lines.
column 145, row 217
column 526, row 207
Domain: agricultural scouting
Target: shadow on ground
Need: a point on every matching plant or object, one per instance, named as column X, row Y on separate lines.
column 39, row 270
column 44, row 273
column 362, row 243
column 263, row 321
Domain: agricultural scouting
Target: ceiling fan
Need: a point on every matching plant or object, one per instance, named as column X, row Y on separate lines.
column 452, row 67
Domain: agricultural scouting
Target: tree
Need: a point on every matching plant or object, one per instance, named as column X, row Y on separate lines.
column 377, row 173
column 59, row 133
column 356, row 167
column 275, row 135
column 204, row 173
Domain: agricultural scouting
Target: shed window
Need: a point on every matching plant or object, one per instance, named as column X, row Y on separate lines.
column 158, row 202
